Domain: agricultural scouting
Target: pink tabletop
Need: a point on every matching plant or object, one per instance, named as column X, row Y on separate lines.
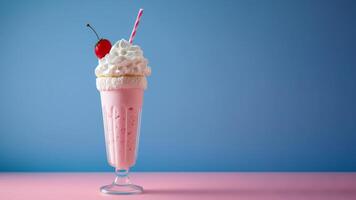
column 186, row 186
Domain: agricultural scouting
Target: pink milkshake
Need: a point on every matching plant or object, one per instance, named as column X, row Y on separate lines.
column 121, row 80
column 121, row 115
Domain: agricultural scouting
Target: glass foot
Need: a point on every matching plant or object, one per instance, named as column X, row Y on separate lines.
column 121, row 189
column 121, row 185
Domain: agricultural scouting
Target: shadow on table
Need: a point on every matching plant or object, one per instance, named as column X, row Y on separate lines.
column 252, row 191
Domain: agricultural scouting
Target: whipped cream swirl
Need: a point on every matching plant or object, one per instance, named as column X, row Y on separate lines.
column 123, row 59
column 123, row 67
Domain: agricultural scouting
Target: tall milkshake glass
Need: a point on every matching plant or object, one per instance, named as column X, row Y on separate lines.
column 121, row 80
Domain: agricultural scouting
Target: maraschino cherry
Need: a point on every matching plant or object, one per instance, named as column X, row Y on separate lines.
column 102, row 47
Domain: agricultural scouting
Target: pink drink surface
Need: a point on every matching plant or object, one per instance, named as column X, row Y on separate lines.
column 121, row 114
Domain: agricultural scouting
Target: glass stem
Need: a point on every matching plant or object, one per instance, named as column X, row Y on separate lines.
column 122, row 177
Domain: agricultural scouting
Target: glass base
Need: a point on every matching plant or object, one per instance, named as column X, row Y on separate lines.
column 121, row 189
column 121, row 184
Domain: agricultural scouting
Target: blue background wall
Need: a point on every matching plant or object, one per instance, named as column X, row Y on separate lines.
column 236, row 85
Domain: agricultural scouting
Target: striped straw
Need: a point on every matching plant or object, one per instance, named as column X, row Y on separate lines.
column 136, row 25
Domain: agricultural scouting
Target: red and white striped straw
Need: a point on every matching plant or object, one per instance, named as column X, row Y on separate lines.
column 136, row 25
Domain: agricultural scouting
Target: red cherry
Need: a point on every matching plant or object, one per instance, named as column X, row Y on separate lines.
column 102, row 47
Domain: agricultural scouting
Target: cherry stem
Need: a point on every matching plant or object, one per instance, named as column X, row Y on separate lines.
column 88, row 25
